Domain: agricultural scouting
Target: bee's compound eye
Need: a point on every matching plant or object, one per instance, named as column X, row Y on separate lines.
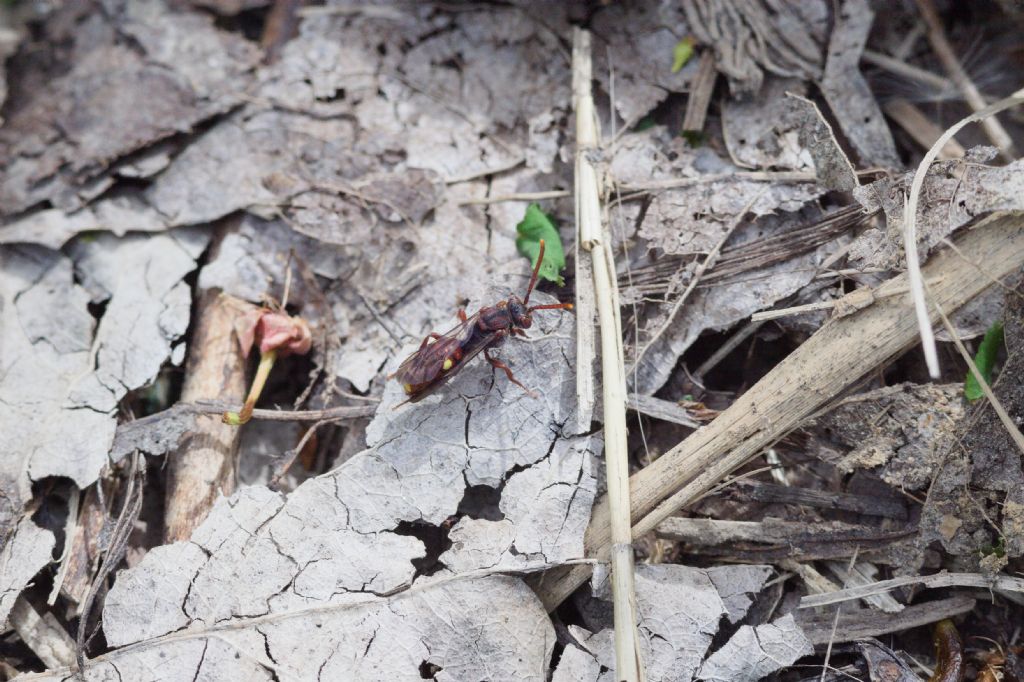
column 447, row 364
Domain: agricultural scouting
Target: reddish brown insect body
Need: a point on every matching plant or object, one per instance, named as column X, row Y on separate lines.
column 441, row 356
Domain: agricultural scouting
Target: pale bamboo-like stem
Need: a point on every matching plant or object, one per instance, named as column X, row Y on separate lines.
column 613, row 374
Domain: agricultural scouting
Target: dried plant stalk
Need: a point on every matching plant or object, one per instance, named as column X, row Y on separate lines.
column 204, row 466
column 613, row 374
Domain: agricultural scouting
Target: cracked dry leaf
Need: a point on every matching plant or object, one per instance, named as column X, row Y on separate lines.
column 756, row 652
column 24, row 552
column 461, row 94
column 54, row 227
column 480, row 84
column 148, row 308
column 679, row 612
column 691, row 220
column 954, row 194
column 311, row 581
column 253, row 161
column 46, row 337
column 109, row 100
column 64, row 374
column 833, row 168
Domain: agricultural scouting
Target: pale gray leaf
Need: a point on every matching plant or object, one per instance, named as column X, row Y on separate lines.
column 46, row 338
column 23, row 555
column 738, row 586
column 756, row 133
column 577, row 665
column 545, row 510
column 634, row 45
column 112, row 99
column 954, row 194
column 311, row 584
column 54, row 227
column 148, row 310
column 678, row 614
column 834, row 169
column 847, row 92
column 756, row 652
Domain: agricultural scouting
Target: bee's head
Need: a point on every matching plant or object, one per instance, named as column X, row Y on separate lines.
column 520, row 314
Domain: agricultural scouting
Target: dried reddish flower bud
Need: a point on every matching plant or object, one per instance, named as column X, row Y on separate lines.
column 283, row 333
column 275, row 331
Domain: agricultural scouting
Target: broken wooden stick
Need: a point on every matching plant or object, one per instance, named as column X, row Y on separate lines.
column 838, row 354
column 203, row 468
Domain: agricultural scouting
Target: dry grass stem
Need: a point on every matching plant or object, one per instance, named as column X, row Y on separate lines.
column 613, row 377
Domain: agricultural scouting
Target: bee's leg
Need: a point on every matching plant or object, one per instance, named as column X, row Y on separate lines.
column 519, row 332
column 426, row 339
column 462, row 315
column 498, row 364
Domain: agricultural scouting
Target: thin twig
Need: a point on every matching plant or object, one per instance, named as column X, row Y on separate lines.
column 999, row 582
column 378, row 317
column 742, row 176
column 329, row 414
column 910, row 227
column 115, row 550
column 522, row 196
column 729, row 346
column 70, row 528
column 909, row 71
column 293, row 454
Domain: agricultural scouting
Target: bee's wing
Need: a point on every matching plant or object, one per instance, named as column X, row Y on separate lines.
column 426, row 364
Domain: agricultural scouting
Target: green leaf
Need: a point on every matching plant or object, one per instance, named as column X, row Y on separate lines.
column 682, row 53
column 694, row 138
column 985, row 359
column 537, row 225
column 644, row 124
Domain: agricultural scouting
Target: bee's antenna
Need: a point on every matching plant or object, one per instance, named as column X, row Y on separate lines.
column 536, row 271
column 551, row 306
